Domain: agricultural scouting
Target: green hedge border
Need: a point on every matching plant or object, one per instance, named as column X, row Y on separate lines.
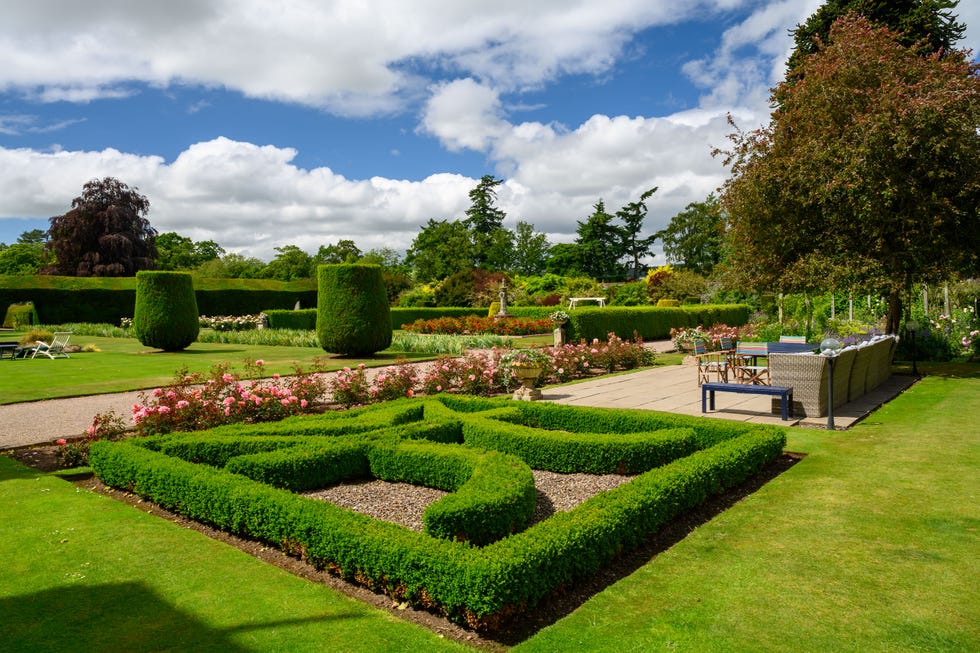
column 479, row 586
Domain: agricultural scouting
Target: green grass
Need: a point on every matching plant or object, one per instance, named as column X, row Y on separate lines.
column 83, row 572
column 868, row 544
column 124, row 364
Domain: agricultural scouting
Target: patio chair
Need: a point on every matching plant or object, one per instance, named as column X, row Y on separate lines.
column 746, row 363
column 56, row 349
column 801, row 339
column 710, row 363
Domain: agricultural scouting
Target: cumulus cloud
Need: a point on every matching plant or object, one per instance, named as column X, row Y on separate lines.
column 248, row 198
column 350, row 57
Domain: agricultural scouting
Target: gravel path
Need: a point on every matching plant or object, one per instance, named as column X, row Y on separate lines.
column 43, row 422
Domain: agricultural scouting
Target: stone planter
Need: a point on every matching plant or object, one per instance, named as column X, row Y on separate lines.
column 527, row 375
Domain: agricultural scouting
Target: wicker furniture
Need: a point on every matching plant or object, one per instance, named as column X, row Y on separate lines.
column 857, row 371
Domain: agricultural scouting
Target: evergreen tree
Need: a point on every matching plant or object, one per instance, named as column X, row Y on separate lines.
column 634, row 246
column 600, row 244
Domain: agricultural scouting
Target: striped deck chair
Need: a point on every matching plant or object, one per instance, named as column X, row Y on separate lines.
column 710, row 363
column 746, row 364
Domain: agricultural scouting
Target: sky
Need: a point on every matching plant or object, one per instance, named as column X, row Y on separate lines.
column 260, row 124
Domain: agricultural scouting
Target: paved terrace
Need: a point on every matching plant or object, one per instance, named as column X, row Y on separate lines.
column 671, row 389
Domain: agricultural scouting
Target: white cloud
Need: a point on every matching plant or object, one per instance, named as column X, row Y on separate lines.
column 464, row 114
column 348, row 56
column 246, row 197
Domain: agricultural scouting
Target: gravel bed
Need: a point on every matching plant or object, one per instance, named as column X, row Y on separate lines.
column 402, row 503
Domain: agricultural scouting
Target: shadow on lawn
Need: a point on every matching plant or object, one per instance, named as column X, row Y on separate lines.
column 117, row 617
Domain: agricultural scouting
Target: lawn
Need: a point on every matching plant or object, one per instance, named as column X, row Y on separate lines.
column 868, row 544
column 124, row 364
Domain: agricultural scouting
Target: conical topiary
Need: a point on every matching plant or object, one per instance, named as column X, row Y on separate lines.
column 166, row 310
column 353, row 316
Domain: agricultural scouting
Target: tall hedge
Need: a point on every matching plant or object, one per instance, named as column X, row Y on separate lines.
column 166, row 310
column 353, row 316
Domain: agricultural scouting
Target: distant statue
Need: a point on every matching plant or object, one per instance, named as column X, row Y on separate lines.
column 503, row 300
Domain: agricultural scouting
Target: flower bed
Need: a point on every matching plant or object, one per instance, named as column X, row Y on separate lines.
column 514, row 326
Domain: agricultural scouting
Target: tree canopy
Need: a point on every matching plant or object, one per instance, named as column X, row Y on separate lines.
column 634, row 245
column 105, row 234
column 928, row 25
column 178, row 252
column 868, row 173
column 492, row 244
column 694, row 236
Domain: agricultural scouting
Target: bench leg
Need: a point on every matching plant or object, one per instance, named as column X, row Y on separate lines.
column 704, row 394
column 784, row 406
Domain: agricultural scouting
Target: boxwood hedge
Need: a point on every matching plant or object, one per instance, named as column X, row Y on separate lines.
column 481, row 586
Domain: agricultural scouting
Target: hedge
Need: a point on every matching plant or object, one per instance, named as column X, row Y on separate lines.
column 60, row 300
column 353, row 316
column 650, row 322
column 480, row 586
column 304, row 318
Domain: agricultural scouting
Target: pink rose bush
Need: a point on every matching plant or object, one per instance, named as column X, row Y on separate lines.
column 200, row 401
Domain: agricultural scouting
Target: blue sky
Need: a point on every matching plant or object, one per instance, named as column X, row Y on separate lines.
column 304, row 124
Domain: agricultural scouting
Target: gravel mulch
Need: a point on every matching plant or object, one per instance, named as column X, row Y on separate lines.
column 404, row 504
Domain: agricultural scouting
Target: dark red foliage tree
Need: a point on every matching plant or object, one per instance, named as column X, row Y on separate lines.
column 105, row 234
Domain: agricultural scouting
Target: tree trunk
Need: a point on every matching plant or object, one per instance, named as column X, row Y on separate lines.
column 894, row 311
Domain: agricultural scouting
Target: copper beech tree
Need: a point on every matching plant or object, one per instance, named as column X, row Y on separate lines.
column 867, row 176
column 105, row 234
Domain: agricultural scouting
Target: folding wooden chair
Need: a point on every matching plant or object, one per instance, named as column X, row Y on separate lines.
column 746, row 365
column 710, row 363
column 800, row 339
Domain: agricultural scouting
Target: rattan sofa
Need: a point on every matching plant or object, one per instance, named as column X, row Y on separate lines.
column 857, row 371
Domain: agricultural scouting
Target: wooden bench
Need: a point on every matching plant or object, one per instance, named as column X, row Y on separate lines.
column 708, row 391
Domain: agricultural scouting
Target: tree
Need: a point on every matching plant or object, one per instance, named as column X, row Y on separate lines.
column 601, row 245
column 33, row 237
column 492, row 244
column 291, row 263
column 530, row 250
column 20, row 259
column 694, row 236
column 868, row 173
column 345, row 251
column 231, row 266
column 927, row 25
column 565, row 259
column 105, row 234
column 632, row 216
column 440, row 249
column 176, row 252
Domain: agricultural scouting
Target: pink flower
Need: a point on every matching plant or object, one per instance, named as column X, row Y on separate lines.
column 472, row 377
column 90, row 430
column 260, row 362
column 61, row 441
column 284, row 402
column 438, row 388
column 163, row 410
column 183, row 403
column 410, row 393
column 275, row 376
column 303, row 403
column 171, row 394
column 228, row 401
column 158, row 392
column 227, row 378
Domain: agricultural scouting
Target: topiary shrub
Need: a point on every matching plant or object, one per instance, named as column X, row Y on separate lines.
column 166, row 310
column 353, row 316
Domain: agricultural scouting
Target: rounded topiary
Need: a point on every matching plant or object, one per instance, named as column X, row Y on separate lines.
column 166, row 310
column 353, row 316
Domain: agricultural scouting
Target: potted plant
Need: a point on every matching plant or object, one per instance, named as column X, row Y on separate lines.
column 526, row 366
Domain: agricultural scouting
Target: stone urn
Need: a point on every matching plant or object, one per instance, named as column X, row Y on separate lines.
column 527, row 375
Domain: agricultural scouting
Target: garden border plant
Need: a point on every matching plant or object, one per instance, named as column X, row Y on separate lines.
column 481, row 586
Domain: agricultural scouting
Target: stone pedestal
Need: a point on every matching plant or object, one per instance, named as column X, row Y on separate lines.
column 527, row 376
column 559, row 337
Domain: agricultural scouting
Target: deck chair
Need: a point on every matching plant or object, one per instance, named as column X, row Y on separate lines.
column 56, row 349
column 710, row 363
column 746, row 363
